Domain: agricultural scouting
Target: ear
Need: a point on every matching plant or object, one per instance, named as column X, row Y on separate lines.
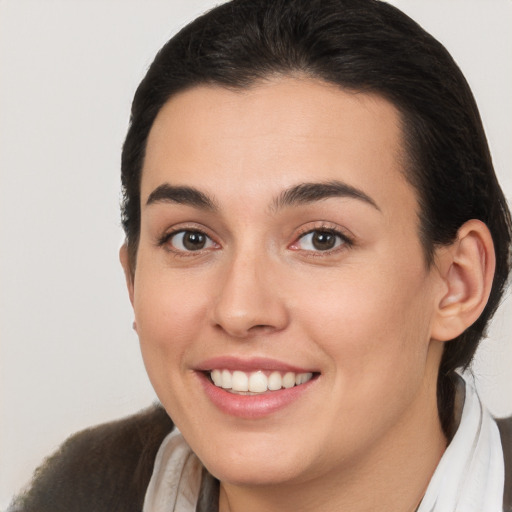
column 124, row 258
column 467, row 269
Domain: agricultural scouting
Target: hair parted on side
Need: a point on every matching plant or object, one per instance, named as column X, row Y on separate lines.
column 360, row 45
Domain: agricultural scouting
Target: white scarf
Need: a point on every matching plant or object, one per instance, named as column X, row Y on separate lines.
column 469, row 477
column 176, row 478
column 471, row 473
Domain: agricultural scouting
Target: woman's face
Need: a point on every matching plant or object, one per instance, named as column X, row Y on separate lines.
column 279, row 245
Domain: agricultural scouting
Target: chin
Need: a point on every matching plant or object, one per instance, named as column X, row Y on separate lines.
column 246, row 473
column 252, row 462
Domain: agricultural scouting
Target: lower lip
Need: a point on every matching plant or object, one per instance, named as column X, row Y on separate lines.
column 252, row 406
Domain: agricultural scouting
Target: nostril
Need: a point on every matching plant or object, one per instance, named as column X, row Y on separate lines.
column 262, row 328
column 241, row 331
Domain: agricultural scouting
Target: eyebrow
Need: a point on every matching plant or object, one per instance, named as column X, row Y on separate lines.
column 190, row 196
column 305, row 193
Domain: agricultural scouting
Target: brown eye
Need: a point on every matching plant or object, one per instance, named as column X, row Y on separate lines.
column 323, row 241
column 190, row 241
column 320, row 240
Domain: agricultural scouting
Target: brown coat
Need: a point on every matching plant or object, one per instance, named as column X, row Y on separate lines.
column 102, row 469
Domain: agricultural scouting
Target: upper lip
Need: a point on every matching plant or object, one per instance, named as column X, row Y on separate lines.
column 249, row 365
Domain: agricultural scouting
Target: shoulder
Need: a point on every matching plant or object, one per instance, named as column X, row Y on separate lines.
column 505, row 428
column 105, row 468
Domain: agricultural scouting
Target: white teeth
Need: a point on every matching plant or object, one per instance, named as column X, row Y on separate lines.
column 217, row 378
column 240, row 381
column 226, row 379
column 302, row 378
column 275, row 381
column 257, row 382
column 289, row 380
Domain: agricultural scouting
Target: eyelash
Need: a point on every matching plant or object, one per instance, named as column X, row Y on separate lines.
column 345, row 241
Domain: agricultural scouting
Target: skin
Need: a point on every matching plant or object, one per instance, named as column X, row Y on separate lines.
column 368, row 316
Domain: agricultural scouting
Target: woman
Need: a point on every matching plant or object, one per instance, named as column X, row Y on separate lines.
column 315, row 243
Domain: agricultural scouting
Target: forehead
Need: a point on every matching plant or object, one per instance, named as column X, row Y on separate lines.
column 274, row 135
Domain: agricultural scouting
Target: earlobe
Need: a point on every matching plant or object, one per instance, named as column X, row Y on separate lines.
column 467, row 270
column 124, row 258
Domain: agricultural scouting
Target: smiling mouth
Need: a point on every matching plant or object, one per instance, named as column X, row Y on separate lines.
column 257, row 382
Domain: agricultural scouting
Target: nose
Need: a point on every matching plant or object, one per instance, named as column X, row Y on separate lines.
column 250, row 300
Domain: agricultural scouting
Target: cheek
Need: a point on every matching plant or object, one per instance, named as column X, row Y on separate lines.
column 376, row 338
column 370, row 324
column 169, row 313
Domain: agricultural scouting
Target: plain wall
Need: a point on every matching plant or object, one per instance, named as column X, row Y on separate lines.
column 68, row 71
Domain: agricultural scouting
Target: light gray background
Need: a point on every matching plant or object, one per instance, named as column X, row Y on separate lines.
column 68, row 70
